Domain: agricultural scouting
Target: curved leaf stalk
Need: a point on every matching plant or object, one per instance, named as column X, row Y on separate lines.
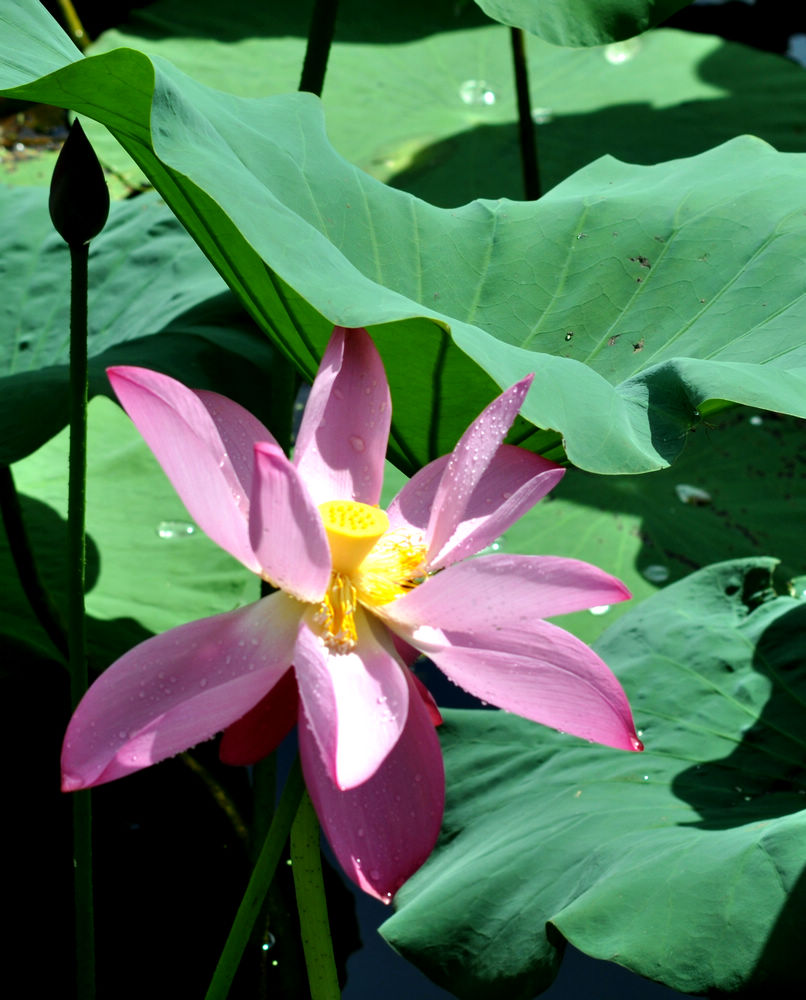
column 258, row 886
column 526, row 127
column 320, row 37
column 312, row 904
column 19, row 546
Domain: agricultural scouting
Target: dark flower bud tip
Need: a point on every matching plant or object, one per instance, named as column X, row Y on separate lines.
column 79, row 197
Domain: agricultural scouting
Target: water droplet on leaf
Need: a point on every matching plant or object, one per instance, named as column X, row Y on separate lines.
column 620, row 52
column 477, row 92
column 692, row 495
column 175, row 529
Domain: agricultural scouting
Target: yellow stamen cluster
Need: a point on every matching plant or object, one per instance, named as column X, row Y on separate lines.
column 335, row 616
column 371, row 566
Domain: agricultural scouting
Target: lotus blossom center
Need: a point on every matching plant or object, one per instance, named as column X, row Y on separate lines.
column 352, row 530
column 372, row 565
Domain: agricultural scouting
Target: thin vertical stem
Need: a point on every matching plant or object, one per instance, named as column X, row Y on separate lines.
column 74, row 26
column 311, row 904
column 76, row 624
column 259, row 882
column 320, row 38
column 526, row 127
column 77, row 484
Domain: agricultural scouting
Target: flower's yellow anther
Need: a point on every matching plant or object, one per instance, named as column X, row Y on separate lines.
column 393, row 567
column 352, row 530
column 335, row 616
column 372, row 566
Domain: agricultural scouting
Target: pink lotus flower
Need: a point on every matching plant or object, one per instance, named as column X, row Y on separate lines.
column 359, row 594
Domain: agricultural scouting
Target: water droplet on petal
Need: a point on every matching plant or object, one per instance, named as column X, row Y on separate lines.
column 636, row 743
column 357, row 443
column 477, row 92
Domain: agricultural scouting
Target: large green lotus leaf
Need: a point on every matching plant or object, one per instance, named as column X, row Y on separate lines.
column 149, row 566
column 146, row 277
column 634, row 293
column 733, row 493
column 453, row 136
column 582, row 22
column 684, row 864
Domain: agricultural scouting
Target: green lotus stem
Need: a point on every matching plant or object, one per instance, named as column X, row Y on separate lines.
column 77, row 483
column 25, row 563
column 312, row 904
column 79, row 206
column 76, row 623
column 258, row 886
column 320, row 38
column 526, row 127
column 74, row 26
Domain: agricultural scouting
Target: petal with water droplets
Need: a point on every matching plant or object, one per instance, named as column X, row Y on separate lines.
column 385, row 828
column 341, row 444
column 177, row 689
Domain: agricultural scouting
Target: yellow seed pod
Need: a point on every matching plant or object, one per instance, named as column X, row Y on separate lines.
column 352, row 530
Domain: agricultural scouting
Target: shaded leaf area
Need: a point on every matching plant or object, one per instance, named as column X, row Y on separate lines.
column 678, row 283
column 148, row 567
column 582, row 22
column 665, row 95
column 737, row 490
column 454, row 136
column 683, row 864
column 146, row 278
column 171, row 859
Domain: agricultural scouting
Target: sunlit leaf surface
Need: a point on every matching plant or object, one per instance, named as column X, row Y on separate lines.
column 683, row 863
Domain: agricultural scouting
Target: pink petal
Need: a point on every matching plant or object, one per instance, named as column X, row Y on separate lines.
column 383, row 830
column 503, row 591
column 511, row 485
column 355, row 703
column 177, row 689
column 411, row 508
column 285, row 528
column 201, row 441
column 468, row 462
column 264, row 727
column 545, row 674
column 341, row 444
